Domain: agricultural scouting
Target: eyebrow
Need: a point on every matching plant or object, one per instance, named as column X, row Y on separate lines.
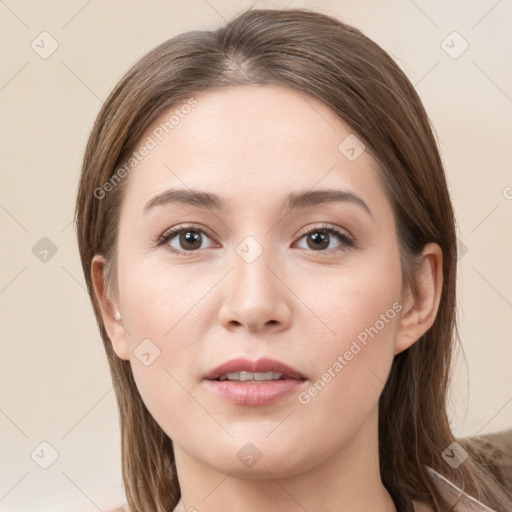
column 295, row 200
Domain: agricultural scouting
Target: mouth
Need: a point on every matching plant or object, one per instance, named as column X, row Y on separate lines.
column 263, row 369
column 262, row 382
column 252, row 376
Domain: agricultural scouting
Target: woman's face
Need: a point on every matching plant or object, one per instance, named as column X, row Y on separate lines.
column 256, row 279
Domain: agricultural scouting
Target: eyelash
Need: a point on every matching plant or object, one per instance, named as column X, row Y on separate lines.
column 348, row 241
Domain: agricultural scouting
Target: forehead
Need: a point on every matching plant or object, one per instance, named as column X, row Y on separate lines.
column 257, row 140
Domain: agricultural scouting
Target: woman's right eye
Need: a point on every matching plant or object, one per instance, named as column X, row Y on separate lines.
column 184, row 239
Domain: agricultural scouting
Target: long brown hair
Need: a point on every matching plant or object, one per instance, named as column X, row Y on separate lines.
column 320, row 56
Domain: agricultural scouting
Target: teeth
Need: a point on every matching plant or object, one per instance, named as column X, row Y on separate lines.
column 258, row 376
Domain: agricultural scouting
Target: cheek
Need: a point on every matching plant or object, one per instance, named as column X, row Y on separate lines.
column 350, row 302
column 358, row 311
column 162, row 303
column 166, row 315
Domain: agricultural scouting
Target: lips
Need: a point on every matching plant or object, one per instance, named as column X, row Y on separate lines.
column 262, row 365
column 248, row 383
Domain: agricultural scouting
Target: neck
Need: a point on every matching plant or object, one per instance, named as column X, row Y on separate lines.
column 348, row 479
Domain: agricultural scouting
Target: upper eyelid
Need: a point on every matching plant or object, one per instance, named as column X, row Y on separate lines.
column 178, row 229
column 337, row 230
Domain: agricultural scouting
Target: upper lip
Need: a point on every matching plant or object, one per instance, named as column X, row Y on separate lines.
column 263, row 365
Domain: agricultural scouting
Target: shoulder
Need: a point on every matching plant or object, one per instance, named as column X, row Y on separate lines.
column 494, row 452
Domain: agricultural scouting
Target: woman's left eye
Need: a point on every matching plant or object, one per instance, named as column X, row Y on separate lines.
column 319, row 239
column 188, row 239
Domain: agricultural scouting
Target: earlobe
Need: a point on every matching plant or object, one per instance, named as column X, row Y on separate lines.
column 109, row 310
column 421, row 303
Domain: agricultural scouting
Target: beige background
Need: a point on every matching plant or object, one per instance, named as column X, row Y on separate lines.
column 56, row 386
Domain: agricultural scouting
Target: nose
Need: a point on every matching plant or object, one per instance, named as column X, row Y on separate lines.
column 255, row 296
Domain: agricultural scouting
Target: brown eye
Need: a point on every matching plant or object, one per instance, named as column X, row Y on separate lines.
column 319, row 239
column 190, row 240
column 184, row 239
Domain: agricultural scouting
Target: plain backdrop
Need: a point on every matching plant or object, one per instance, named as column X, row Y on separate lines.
column 56, row 386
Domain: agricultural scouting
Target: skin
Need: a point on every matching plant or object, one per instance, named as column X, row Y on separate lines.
column 254, row 145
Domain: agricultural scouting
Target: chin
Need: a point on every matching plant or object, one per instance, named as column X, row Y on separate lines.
column 261, row 460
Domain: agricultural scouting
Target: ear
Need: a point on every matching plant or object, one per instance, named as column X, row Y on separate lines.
column 109, row 309
column 421, row 304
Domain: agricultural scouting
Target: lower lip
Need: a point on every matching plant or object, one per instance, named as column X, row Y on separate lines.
column 254, row 392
